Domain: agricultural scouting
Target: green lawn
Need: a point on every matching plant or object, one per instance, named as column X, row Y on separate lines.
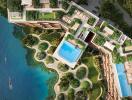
column 47, row 16
column 95, row 93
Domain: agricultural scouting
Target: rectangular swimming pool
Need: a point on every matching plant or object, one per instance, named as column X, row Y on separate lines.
column 69, row 52
column 126, row 89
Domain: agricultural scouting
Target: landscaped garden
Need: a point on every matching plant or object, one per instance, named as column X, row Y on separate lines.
column 14, row 5
column 91, row 21
column 99, row 40
column 75, row 41
column 43, row 46
column 30, row 40
column 53, row 38
column 39, row 15
column 128, row 42
column 117, row 58
column 116, row 33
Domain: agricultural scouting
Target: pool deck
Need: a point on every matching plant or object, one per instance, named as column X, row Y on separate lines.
column 124, row 86
column 57, row 56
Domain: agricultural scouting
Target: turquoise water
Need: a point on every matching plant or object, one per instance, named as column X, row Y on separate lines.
column 69, row 52
column 28, row 83
column 125, row 87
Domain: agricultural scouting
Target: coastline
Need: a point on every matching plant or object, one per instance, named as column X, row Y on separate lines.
column 32, row 62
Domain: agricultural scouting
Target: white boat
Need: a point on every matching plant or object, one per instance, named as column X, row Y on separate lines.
column 10, row 84
column 5, row 59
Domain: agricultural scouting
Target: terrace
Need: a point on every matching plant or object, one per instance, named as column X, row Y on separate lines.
column 109, row 31
column 70, row 50
column 124, row 87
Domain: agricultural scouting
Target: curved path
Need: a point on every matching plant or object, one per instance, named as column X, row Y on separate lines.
column 60, row 73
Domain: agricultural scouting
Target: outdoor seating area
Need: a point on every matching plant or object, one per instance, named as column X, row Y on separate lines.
column 109, row 46
column 107, row 31
column 70, row 50
column 111, row 32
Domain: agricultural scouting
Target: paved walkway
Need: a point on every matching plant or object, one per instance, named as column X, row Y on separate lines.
column 54, row 67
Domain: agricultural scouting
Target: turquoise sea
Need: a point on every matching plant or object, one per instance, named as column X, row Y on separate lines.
column 28, row 83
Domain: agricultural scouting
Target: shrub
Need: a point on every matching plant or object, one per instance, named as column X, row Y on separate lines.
column 63, row 67
column 53, row 38
column 81, row 95
column 75, row 83
column 69, row 76
column 53, row 3
column 85, row 86
column 61, row 96
column 71, row 11
column 43, row 46
column 81, row 73
column 70, row 94
column 41, row 55
column 30, row 40
column 91, row 21
column 64, row 84
column 49, row 60
column 51, row 50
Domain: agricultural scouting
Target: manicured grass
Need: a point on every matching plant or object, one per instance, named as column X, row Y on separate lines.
column 93, row 73
column 85, row 85
column 47, row 16
column 95, row 93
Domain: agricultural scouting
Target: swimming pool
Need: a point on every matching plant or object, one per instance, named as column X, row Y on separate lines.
column 69, row 52
column 125, row 87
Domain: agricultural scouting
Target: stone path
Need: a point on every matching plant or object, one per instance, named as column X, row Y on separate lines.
column 54, row 67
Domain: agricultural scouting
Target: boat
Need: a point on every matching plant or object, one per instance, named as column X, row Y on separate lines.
column 5, row 59
column 10, row 84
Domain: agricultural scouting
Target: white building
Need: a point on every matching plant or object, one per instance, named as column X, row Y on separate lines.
column 26, row 2
column 109, row 46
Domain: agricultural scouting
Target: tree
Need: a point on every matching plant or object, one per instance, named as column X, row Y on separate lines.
column 81, row 72
column 61, row 96
column 75, row 83
column 70, row 95
column 30, row 40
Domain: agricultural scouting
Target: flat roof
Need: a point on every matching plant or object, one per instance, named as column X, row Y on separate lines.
column 109, row 45
column 26, row 2
column 128, row 48
column 108, row 31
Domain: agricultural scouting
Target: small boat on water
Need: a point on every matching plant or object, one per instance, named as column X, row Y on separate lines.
column 10, row 84
column 5, row 59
